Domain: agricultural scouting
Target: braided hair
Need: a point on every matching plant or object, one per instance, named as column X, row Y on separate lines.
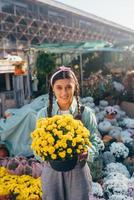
column 63, row 73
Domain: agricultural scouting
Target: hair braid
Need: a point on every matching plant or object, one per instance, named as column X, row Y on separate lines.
column 78, row 116
column 50, row 105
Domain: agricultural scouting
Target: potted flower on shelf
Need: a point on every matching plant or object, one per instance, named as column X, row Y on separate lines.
column 127, row 99
column 19, row 67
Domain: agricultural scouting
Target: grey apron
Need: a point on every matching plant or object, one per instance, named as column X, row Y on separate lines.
column 71, row 185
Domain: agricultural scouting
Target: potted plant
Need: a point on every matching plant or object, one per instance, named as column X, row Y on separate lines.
column 59, row 140
column 19, row 67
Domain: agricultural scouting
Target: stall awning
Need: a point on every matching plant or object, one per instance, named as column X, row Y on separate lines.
column 77, row 47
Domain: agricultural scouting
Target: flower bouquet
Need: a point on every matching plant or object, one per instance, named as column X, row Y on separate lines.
column 59, row 140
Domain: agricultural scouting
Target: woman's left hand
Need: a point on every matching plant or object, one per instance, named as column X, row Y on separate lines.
column 83, row 156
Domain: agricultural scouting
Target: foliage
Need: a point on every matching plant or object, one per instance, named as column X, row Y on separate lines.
column 93, row 62
column 45, row 64
column 128, row 94
column 98, row 86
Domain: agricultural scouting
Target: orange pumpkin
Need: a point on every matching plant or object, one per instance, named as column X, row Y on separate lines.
column 107, row 138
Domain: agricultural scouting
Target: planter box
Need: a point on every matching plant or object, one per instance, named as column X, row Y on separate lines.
column 128, row 107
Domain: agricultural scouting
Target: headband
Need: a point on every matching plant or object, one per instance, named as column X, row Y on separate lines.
column 62, row 69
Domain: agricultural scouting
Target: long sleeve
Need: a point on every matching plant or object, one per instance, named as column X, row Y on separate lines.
column 90, row 123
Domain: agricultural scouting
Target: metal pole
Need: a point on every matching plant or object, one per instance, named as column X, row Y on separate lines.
column 81, row 76
column 29, row 75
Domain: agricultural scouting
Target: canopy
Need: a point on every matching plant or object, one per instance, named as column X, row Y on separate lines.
column 77, row 47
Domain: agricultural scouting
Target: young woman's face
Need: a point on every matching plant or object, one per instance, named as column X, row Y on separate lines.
column 64, row 91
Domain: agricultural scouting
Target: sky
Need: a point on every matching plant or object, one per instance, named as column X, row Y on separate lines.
column 118, row 11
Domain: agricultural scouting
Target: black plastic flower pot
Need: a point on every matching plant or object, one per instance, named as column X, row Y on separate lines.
column 63, row 165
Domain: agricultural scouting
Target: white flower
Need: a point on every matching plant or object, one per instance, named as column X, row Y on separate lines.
column 96, row 109
column 100, row 144
column 100, row 116
column 105, row 126
column 118, row 86
column 115, row 132
column 87, row 100
column 108, row 157
column 129, row 122
column 118, row 149
column 97, row 189
column 125, row 136
column 90, row 105
column 103, row 103
column 117, row 176
column 120, row 197
column 117, row 167
column 115, row 186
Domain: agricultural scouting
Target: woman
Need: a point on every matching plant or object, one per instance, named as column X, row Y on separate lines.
column 74, row 184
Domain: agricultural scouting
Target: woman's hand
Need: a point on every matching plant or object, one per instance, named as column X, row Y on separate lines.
column 83, row 156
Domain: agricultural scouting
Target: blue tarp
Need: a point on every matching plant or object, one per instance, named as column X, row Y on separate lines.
column 15, row 131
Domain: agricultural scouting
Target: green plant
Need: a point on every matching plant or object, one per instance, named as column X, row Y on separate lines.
column 45, row 64
column 128, row 94
column 98, row 86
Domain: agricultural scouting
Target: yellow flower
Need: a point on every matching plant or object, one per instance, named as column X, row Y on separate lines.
column 51, row 150
column 62, row 154
column 49, row 127
column 68, row 127
column 78, row 151
column 74, row 142
column 64, row 145
column 59, row 137
column 69, row 150
column 78, row 131
column 69, row 137
column 80, row 147
column 53, row 156
column 51, row 140
column 78, row 138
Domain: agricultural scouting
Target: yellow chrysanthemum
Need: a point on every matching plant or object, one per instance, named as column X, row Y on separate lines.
column 69, row 150
column 62, row 154
column 51, row 140
column 59, row 136
column 51, row 150
column 54, row 156
column 64, row 145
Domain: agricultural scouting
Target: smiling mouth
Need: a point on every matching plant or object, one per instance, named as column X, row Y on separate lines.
column 64, row 98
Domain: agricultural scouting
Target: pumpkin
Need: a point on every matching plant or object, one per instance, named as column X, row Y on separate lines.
column 107, row 138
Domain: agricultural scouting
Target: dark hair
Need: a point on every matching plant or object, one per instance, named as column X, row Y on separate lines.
column 63, row 75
